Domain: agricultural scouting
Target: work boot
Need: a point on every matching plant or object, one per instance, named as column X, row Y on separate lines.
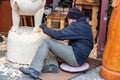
column 30, row 71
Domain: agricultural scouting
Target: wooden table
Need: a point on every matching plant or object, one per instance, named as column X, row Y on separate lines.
column 94, row 7
column 56, row 16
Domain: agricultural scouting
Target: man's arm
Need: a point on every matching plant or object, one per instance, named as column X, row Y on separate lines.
column 65, row 34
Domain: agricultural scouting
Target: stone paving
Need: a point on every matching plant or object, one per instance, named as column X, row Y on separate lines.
column 90, row 75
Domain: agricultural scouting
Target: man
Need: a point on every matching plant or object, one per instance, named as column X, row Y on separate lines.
column 79, row 34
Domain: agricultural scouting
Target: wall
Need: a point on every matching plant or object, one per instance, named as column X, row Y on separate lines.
column 5, row 16
column 48, row 2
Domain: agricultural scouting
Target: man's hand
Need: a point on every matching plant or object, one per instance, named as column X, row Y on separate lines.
column 42, row 25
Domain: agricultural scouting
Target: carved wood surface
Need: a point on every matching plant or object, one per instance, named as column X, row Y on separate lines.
column 85, row 2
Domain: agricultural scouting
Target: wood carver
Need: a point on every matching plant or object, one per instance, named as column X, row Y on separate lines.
column 110, row 69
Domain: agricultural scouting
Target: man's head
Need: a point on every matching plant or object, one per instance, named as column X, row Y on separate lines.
column 74, row 14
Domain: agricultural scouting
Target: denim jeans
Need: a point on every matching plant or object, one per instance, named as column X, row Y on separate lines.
column 65, row 52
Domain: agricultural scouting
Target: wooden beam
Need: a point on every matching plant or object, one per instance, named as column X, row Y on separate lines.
column 102, row 28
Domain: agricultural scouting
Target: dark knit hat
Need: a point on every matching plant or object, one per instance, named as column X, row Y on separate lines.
column 74, row 13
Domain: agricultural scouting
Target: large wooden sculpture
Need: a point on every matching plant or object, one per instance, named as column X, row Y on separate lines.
column 110, row 69
column 23, row 42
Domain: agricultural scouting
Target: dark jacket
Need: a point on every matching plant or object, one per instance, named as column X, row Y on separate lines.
column 79, row 35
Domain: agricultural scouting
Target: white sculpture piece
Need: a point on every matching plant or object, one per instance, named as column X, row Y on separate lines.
column 23, row 42
column 27, row 7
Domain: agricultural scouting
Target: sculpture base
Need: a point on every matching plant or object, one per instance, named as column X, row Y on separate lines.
column 23, row 45
column 109, row 75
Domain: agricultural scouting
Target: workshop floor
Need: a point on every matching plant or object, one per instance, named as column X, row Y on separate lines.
column 9, row 70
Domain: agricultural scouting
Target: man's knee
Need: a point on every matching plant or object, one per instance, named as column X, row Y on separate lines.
column 46, row 40
column 49, row 41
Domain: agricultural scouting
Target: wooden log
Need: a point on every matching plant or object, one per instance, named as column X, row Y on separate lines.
column 23, row 44
column 110, row 69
